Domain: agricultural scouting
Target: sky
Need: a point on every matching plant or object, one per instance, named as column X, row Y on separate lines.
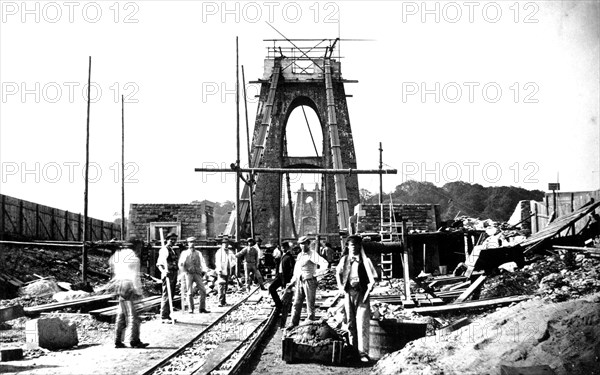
column 490, row 92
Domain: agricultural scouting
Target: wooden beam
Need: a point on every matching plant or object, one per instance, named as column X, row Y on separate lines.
column 469, row 305
column 470, row 290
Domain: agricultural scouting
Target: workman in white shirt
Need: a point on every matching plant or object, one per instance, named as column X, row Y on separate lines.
column 309, row 265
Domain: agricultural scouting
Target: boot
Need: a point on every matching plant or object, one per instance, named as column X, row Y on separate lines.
column 138, row 344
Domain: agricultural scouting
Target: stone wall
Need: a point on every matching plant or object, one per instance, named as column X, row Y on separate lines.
column 421, row 217
column 289, row 95
column 193, row 219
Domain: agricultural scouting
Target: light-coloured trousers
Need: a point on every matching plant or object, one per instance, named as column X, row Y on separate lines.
column 358, row 315
column 304, row 289
column 191, row 290
column 127, row 316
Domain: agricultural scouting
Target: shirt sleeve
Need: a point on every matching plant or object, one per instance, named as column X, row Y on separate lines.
column 322, row 263
column 163, row 253
column 242, row 253
column 182, row 259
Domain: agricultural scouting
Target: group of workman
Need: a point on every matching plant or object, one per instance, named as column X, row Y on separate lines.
column 296, row 271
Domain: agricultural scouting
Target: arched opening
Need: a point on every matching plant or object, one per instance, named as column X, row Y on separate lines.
column 303, row 133
column 303, row 144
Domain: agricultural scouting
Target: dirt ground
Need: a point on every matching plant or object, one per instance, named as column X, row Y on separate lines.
column 564, row 336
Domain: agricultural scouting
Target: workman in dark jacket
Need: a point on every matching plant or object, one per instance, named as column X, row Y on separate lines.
column 251, row 255
column 286, row 270
column 167, row 265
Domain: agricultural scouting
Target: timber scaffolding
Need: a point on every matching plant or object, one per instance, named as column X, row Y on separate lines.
column 290, row 60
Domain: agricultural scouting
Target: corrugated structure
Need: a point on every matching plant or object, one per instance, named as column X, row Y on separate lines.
column 24, row 220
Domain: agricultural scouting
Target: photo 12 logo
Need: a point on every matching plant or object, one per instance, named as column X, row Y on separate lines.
column 269, row 11
column 69, row 171
column 470, row 171
column 469, row 11
column 223, row 92
column 469, row 92
column 69, row 11
column 55, row 92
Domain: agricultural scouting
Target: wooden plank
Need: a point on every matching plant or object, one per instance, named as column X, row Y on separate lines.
column 529, row 370
column 589, row 250
column 458, row 324
column 441, row 281
column 469, row 305
column 61, row 305
column 459, row 286
column 470, row 290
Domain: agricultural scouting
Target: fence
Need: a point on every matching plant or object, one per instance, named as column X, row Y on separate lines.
column 20, row 219
column 567, row 202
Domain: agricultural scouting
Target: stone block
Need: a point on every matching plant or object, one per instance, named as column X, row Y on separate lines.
column 11, row 354
column 10, row 313
column 50, row 333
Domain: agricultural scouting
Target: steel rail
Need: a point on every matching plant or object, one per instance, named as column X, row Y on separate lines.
column 177, row 352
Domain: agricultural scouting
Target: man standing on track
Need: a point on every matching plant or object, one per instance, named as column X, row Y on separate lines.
column 191, row 262
column 224, row 261
column 251, row 256
column 125, row 265
column 308, row 266
column 167, row 265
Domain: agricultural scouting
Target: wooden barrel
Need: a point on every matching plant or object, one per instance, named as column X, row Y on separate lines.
column 387, row 336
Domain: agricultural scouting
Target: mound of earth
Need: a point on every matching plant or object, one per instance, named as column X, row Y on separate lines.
column 564, row 336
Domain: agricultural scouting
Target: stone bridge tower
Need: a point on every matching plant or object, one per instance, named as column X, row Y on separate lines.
column 296, row 76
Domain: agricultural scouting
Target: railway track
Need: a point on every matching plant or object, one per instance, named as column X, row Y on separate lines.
column 226, row 344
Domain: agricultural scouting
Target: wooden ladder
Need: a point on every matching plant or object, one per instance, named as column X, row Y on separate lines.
column 258, row 148
column 386, row 265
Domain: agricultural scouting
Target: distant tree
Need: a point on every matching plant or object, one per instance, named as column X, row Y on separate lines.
column 365, row 196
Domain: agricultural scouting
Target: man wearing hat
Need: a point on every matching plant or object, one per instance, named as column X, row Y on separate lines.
column 224, row 261
column 251, row 256
column 125, row 265
column 309, row 265
column 355, row 276
column 191, row 262
column 284, row 274
column 167, row 265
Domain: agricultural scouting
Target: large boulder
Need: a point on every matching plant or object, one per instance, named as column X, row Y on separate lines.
column 50, row 333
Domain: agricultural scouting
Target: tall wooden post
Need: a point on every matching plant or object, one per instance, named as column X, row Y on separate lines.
column 237, row 161
column 251, row 176
column 381, row 189
column 84, row 259
column 405, row 261
column 122, row 168
column 2, row 210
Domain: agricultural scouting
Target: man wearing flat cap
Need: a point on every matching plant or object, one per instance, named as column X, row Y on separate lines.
column 167, row 265
column 251, row 256
column 191, row 262
column 355, row 276
column 224, row 261
column 309, row 265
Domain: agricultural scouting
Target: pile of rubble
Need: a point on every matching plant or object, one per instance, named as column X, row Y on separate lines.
column 327, row 281
column 312, row 333
column 550, row 277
